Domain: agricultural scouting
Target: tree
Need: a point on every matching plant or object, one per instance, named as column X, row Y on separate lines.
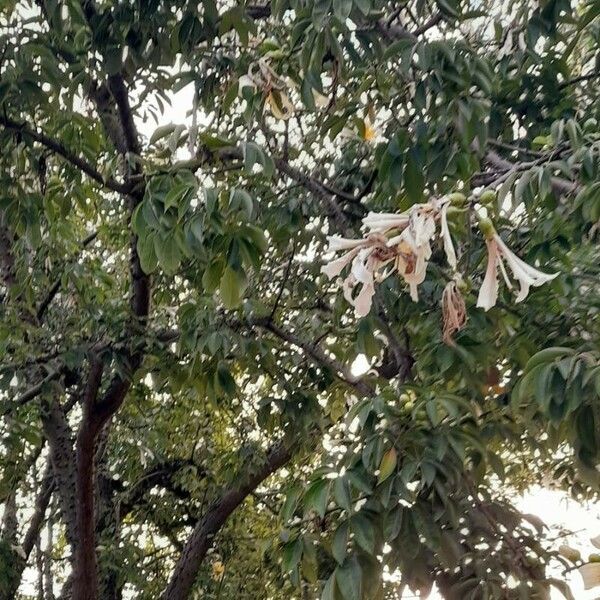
column 177, row 370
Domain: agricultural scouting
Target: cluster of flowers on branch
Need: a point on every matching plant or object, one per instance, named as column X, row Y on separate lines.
column 402, row 243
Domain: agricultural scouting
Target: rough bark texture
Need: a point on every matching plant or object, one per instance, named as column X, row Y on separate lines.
column 62, row 457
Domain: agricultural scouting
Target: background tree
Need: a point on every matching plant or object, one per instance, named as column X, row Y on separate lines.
column 179, row 404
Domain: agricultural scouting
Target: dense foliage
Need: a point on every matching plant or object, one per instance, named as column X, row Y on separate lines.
column 183, row 410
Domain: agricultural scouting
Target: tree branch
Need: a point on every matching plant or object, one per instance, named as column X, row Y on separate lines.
column 200, row 541
column 69, row 156
column 36, row 520
column 504, row 168
column 318, row 355
column 31, row 393
column 60, row 442
column 45, row 303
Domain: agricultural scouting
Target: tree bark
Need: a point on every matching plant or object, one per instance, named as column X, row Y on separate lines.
column 62, row 457
column 85, row 586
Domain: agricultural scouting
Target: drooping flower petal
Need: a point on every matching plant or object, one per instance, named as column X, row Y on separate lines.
column 337, row 243
column 423, row 227
column 524, row 273
column 362, row 303
column 446, row 238
column 335, row 267
column 590, row 573
column 488, row 293
column 382, row 222
column 362, row 268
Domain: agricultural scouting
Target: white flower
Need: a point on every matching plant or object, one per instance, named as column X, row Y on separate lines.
column 367, row 256
column 414, row 247
column 403, row 239
column 335, row 267
column 525, row 274
column 445, row 233
column 382, row 222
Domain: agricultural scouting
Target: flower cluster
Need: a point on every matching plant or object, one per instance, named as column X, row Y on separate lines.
column 401, row 243
column 393, row 243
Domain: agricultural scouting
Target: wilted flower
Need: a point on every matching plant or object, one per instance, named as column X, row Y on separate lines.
column 413, row 246
column 445, row 233
column 261, row 76
column 384, row 222
column 218, row 568
column 281, row 105
column 526, row 275
column 454, row 312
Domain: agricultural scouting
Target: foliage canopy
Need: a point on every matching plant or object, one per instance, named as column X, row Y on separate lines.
column 182, row 412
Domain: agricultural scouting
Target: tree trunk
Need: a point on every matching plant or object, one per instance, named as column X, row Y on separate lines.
column 186, row 570
column 85, row 575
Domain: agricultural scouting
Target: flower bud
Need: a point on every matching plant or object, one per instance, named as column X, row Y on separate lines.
column 487, row 197
column 457, row 199
column 487, row 228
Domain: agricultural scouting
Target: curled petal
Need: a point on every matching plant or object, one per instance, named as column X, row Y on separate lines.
column 525, row 274
column 447, row 240
column 380, row 222
column 335, row 267
column 337, row 243
column 488, row 293
column 362, row 268
column 423, row 226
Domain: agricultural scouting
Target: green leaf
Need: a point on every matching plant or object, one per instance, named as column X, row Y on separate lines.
column 317, row 496
column 161, row 132
column 225, row 380
column 232, row 287
column 292, row 553
column 291, row 501
column 167, row 252
column 212, row 276
column 414, row 182
column 387, row 465
column 349, row 578
column 339, row 543
column 146, row 253
column 329, row 588
column 392, row 524
column 364, row 532
column 342, row 8
column 341, row 492
column 240, row 200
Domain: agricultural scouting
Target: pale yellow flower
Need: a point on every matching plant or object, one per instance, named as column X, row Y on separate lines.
column 218, row 568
